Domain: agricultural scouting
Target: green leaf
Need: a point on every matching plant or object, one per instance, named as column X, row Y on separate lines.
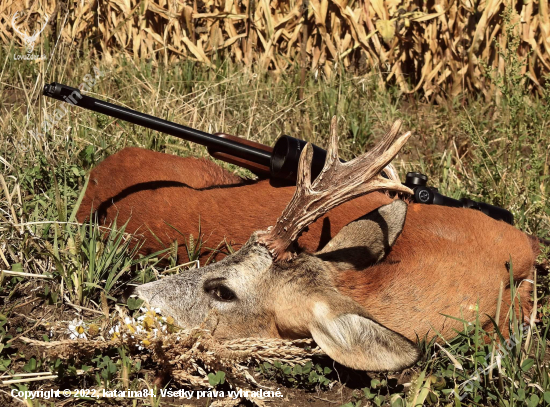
column 221, row 377
column 17, row 267
column 378, row 400
column 521, row 394
column 533, row 400
column 397, row 401
column 527, row 364
column 134, row 303
column 4, row 363
column 30, row 366
column 368, row 393
column 217, row 378
column 546, row 397
column 432, row 398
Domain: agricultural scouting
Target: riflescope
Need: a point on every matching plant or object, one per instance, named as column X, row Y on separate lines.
column 430, row 195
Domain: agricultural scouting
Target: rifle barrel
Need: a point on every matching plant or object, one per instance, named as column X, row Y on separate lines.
column 75, row 97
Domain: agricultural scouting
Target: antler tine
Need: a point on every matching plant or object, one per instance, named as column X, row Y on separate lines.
column 391, row 172
column 303, row 178
column 337, row 183
column 37, row 33
column 332, row 159
column 15, row 28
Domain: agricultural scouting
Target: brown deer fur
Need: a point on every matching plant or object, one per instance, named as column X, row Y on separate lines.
column 167, row 195
column 432, row 262
column 445, row 261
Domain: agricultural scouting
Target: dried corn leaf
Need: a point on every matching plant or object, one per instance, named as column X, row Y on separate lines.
column 386, row 28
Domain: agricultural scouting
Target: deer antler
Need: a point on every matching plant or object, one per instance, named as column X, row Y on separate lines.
column 337, row 183
column 36, row 34
column 22, row 34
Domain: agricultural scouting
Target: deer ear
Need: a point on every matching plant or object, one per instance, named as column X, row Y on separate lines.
column 356, row 341
column 366, row 240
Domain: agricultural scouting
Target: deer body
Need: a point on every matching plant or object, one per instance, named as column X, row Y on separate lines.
column 365, row 287
column 446, row 261
column 174, row 196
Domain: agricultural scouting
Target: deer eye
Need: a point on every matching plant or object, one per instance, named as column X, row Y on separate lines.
column 219, row 291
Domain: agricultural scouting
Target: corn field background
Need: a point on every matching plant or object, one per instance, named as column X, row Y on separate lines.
column 437, row 47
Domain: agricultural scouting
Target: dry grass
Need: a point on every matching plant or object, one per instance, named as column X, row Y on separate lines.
column 188, row 355
column 436, row 47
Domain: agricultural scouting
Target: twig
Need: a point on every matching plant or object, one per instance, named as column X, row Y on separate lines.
column 83, row 308
column 8, row 197
column 533, row 316
column 37, row 377
column 28, row 330
column 25, row 303
column 495, row 336
column 195, row 262
column 30, row 379
column 15, row 398
column 328, row 401
column 21, row 274
column 4, row 258
column 27, row 374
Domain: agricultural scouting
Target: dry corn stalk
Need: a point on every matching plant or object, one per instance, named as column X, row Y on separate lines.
column 429, row 47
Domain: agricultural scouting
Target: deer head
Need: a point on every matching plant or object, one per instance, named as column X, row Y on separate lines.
column 266, row 289
column 29, row 40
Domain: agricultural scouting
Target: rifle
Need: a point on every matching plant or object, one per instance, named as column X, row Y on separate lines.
column 279, row 162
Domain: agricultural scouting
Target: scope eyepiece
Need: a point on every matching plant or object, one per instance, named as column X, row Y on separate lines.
column 415, row 179
column 286, row 155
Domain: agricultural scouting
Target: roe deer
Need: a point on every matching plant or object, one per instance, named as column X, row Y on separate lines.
column 166, row 198
column 384, row 280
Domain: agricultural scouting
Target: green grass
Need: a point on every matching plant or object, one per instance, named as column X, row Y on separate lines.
column 488, row 151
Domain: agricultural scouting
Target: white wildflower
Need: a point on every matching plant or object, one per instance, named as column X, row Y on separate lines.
column 77, row 330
